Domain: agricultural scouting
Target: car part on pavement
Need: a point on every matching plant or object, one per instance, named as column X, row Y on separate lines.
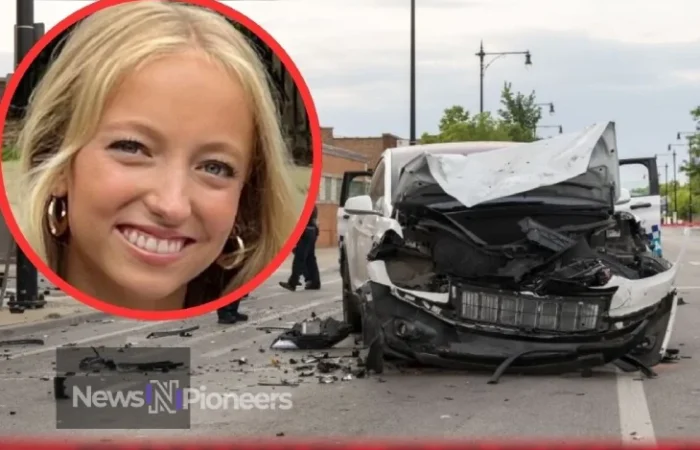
column 22, row 342
column 184, row 332
column 314, row 334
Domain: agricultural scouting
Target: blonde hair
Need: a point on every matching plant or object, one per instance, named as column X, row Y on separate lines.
column 66, row 107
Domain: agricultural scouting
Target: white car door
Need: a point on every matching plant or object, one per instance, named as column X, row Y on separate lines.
column 354, row 183
column 362, row 229
column 641, row 177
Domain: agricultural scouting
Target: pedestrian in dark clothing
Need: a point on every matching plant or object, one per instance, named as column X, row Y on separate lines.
column 304, row 262
column 229, row 314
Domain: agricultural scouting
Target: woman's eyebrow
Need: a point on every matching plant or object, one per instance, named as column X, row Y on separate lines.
column 222, row 146
column 135, row 125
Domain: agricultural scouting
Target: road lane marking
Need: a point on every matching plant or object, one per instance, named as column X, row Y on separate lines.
column 84, row 340
column 139, row 327
column 241, row 344
column 254, row 323
column 635, row 421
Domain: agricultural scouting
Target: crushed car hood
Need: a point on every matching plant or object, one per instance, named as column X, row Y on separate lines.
column 586, row 159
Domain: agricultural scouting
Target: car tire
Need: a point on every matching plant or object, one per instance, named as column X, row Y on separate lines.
column 351, row 311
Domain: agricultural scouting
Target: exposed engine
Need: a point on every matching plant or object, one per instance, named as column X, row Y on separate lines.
column 555, row 259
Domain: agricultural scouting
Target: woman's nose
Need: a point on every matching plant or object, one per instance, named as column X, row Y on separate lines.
column 169, row 199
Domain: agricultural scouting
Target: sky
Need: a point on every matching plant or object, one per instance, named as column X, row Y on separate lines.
column 634, row 62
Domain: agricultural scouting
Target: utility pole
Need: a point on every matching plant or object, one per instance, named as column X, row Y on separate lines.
column 482, row 69
column 27, row 34
column 690, row 180
column 412, row 138
column 675, row 181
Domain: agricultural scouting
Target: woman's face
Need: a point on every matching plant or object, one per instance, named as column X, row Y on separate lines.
column 153, row 197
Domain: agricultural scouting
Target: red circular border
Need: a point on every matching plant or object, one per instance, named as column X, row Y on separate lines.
column 276, row 262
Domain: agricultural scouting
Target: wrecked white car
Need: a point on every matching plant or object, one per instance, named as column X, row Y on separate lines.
column 507, row 257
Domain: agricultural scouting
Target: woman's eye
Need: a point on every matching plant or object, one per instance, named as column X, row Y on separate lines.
column 218, row 169
column 127, row 145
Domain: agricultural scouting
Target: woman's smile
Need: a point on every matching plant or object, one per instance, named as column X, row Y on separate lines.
column 154, row 246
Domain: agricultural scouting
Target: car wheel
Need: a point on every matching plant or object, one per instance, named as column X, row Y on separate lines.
column 351, row 310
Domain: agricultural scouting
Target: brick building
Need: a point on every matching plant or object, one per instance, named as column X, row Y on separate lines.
column 371, row 147
column 341, row 154
column 336, row 161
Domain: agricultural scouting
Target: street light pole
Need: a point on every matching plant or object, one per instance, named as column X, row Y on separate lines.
column 675, row 178
column 26, row 35
column 412, row 138
column 482, row 67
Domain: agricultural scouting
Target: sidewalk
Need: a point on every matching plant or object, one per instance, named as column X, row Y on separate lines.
column 59, row 309
column 63, row 310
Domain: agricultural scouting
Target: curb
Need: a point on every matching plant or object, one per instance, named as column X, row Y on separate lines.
column 48, row 324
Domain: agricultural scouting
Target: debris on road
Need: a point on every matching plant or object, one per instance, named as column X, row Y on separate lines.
column 97, row 363
column 314, row 334
column 22, row 342
column 285, row 383
column 183, row 332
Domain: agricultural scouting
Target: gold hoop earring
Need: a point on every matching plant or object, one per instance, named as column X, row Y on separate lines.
column 233, row 259
column 57, row 216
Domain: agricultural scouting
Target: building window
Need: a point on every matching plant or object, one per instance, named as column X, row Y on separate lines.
column 330, row 188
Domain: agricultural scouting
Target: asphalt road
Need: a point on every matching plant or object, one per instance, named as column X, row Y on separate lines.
column 407, row 404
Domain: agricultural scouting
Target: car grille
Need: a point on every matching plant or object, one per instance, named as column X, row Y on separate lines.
column 558, row 314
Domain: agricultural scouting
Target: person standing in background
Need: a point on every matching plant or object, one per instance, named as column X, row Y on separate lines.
column 304, row 262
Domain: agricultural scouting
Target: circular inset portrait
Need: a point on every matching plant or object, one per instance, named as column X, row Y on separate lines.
column 158, row 149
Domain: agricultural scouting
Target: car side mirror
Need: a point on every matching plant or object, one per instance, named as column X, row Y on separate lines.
column 625, row 197
column 360, row 205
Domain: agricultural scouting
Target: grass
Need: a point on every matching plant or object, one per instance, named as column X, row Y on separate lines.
column 10, row 154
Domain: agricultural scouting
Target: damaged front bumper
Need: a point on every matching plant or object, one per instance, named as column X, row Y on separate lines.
column 405, row 327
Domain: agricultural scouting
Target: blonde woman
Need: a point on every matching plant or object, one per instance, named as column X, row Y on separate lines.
column 156, row 171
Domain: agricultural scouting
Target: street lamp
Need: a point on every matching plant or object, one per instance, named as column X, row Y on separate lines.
column 412, row 137
column 27, row 33
column 671, row 147
column 482, row 68
column 550, row 104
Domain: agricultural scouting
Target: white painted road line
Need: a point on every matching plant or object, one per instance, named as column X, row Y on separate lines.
column 140, row 327
column 635, row 421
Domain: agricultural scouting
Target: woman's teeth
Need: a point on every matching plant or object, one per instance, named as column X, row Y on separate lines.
column 151, row 244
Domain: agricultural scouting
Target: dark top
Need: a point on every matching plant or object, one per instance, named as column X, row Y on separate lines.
column 313, row 220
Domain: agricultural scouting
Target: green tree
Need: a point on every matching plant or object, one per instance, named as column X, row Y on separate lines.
column 692, row 166
column 457, row 125
column 521, row 113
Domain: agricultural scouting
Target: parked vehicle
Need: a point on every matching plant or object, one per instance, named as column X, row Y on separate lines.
column 508, row 256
